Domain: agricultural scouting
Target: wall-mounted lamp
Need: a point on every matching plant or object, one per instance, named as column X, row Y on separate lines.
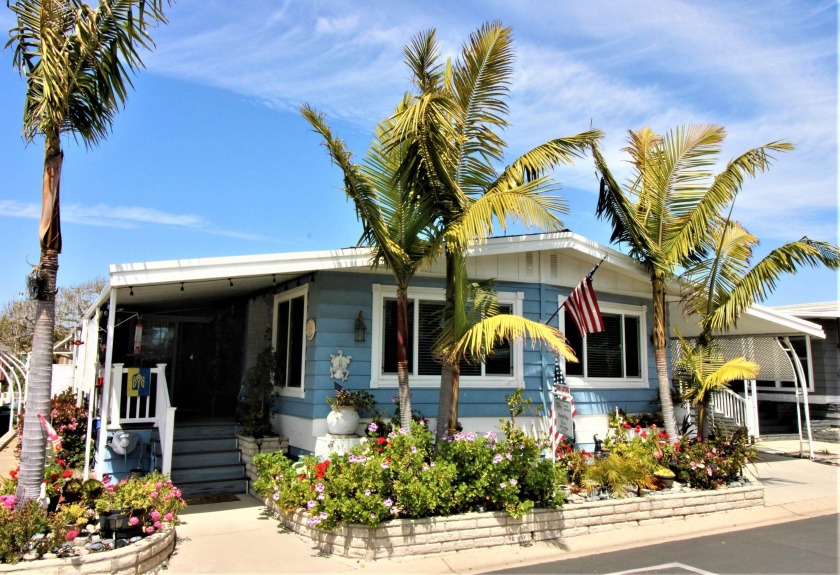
column 359, row 328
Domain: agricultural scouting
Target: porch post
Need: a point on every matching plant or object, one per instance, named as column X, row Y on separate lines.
column 106, row 384
column 91, row 391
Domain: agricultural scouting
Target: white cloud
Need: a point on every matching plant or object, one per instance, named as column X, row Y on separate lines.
column 125, row 217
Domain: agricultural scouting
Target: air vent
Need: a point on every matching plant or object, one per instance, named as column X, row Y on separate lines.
column 529, row 264
column 554, row 265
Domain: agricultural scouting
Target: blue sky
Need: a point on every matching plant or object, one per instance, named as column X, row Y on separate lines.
column 211, row 158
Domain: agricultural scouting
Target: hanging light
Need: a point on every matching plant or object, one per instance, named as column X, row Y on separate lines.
column 359, row 328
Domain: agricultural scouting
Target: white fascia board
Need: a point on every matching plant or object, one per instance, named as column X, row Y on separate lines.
column 558, row 241
column 786, row 320
column 757, row 320
column 145, row 273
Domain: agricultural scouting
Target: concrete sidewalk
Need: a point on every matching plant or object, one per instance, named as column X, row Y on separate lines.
column 237, row 537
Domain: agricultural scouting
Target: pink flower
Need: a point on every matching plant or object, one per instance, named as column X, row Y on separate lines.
column 133, row 521
column 157, row 524
column 150, row 529
column 158, row 485
column 72, row 534
column 168, row 517
column 155, row 515
column 153, row 494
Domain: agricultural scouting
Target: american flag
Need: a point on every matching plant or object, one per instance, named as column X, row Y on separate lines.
column 583, row 307
column 554, row 436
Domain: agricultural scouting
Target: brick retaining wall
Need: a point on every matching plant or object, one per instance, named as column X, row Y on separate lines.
column 146, row 556
column 248, row 449
column 434, row 535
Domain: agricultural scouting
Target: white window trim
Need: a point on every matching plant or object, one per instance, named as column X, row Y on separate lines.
column 639, row 311
column 380, row 380
column 278, row 298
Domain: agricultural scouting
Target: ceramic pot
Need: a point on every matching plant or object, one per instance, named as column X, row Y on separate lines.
column 343, row 420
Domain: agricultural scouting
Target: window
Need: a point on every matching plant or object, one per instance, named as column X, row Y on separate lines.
column 288, row 340
column 425, row 315
column 616, row 357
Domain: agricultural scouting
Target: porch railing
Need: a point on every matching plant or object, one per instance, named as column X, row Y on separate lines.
column 154, row 408
column 742, row 410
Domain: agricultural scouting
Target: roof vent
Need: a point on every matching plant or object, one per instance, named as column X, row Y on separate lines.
column 529, row 264
column 554, row 266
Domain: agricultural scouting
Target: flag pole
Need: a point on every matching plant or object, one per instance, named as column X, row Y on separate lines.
column 589, row 275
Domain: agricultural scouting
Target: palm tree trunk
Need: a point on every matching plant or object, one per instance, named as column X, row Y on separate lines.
column 453, row 409
column 39, row 384
column 662, row 358
column 33, row 449
column 447, row 376
column 402, row 357
column 444, row 401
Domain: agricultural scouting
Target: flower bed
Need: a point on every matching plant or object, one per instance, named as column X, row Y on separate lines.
column 434, row 535
column 97, row 517
column 144, row 556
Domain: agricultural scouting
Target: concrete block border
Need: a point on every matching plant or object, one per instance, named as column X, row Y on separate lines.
column 148, row 555
column 435, row 535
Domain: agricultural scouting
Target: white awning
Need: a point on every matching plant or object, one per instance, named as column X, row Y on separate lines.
column 758, row 320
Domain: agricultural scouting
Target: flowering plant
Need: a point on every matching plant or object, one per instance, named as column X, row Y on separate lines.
column 714, row 462
column 401, row 476
column 154, row 494
column 360, row 399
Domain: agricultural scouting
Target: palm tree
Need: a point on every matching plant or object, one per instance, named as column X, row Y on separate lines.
column 396, row 224
column 76, row 62
column 668, row 204
column 451, row 127
column 722, row 286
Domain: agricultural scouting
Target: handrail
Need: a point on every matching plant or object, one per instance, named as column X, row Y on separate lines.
column 162, row 416
column 743, row 410
column 165, row 419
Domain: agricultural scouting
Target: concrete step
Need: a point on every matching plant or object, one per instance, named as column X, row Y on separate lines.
column 206, row 459
column 215, row 473
column 226, row 430
column 198, row 445
column 211, row 488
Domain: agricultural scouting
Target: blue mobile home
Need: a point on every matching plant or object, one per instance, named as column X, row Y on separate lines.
column 203, row 323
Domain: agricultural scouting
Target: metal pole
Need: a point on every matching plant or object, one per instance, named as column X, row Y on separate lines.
column 801, row 376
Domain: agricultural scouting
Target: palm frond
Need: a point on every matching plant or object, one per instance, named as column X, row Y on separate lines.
column 528, row 204
column 695, row 211
column 78, row 61
column 479, row 340
column 761, row 280
column 538, row 161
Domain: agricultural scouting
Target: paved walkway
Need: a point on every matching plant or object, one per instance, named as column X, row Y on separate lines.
column 237, row 537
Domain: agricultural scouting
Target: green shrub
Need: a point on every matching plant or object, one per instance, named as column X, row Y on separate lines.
column 401, row 476
column 19, row 525
column 714, row 462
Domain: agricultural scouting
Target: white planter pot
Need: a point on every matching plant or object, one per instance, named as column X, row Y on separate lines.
column 343, row 421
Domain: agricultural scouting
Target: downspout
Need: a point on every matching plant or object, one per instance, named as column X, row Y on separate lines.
column 106, row 382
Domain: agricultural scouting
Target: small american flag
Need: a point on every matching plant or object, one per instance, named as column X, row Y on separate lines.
column 583, row 307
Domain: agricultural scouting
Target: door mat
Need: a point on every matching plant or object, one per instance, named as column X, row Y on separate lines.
column 211, row 499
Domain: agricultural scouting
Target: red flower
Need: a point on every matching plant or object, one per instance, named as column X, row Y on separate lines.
column 626, row 425
column 653, row 426
column 54, row 477
column 644, row 435
column 678, row 447
column 14, row 473
column 61, row 462
column 638, row 428
column 302, row 476
column 381, row 440
column 323, row 465
column 67, row 473
column 319, row 475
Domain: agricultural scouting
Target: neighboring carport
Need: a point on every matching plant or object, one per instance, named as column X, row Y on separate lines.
column 761, row 335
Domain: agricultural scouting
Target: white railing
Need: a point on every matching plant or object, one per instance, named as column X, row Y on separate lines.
column 15, row 372
column 742, row 410
column 155, row 408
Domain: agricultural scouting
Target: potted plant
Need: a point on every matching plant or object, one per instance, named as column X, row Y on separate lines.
column 346, row 404
column 256, row 398
column 665, row 475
